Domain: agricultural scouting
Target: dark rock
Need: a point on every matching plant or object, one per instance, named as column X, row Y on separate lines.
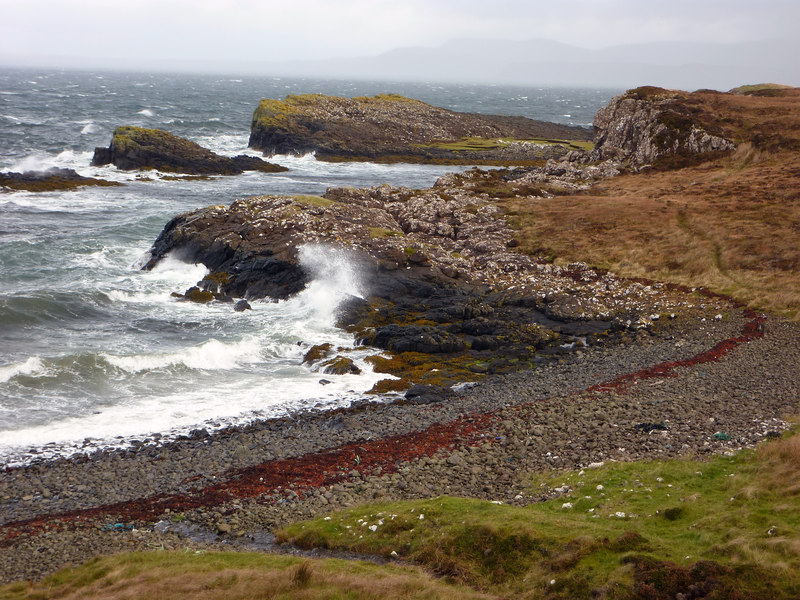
column 139, row 148
column 428, row 394
column 242, row 305
column 199, row 434
column 341, row 365
column 648, row 427
column 50, row 180
column 417, row 338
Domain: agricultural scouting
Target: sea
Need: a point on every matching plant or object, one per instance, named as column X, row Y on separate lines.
column 94, row 352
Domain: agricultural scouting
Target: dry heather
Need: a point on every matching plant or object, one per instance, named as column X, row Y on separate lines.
column 731, row 224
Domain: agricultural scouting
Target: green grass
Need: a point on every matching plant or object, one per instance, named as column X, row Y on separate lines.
column 652, row 529
column 728, row 528
column 221, row 575
column 379, row 233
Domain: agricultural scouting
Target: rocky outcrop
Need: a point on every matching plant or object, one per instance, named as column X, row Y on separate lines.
column 392, row 128
column 48, row 181
column 646, row 124
column 443, row 290
column 139, row 148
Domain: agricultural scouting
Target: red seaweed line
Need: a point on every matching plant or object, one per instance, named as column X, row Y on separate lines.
column 753, row 329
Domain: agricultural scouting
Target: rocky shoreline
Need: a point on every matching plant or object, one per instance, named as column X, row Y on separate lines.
column 569, row 365
column 242, row 482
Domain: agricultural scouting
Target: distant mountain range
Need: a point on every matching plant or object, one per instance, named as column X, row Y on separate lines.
column 543, row 62
column 532, row 62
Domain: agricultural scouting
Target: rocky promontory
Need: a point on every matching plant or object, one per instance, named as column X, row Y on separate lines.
column 443, row 288
column 139, row 148
column 393, row 128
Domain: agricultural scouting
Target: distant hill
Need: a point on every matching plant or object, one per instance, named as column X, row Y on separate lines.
column 544, row 62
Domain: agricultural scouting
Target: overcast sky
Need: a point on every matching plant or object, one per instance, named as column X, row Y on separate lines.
column 98, row 31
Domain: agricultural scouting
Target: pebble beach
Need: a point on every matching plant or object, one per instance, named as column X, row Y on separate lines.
column 693, row 387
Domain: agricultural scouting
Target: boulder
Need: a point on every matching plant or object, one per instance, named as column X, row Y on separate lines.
column 139, row 148
column 428, row 394
column 648, row 123
column 341, row 365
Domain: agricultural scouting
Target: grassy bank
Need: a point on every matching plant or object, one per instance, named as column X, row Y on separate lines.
column 221, row 575
column 728, row 526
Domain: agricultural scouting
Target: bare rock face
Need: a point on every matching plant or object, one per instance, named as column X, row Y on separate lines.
column 140, row 148
column 648, row 123
column 392, row 128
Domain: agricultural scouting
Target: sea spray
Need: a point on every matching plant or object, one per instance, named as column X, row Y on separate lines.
column 336, row 275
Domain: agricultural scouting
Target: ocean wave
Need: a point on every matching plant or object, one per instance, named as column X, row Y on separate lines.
column 47, row 307
column 213, row 355
column 31, row 366
column 40, row 161
column 228, row 144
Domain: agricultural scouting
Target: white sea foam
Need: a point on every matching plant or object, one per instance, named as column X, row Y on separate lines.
column 183, row 410
column 229, row 144
column 40, row 161
column 156, row 286
column 212, row 355
column 173, row 271
column 29, row 367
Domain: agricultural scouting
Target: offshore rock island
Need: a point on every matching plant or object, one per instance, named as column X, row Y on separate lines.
column 141, row 148
column 392, row 128
column 482, row 278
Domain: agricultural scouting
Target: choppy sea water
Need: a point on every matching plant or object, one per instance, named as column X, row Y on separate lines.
column 94, row 351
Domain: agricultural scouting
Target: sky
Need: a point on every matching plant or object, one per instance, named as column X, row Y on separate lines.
column 97, row 33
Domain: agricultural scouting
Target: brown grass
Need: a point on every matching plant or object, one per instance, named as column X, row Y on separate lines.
column 732, row 225
column 216, row 576
column 781, row 460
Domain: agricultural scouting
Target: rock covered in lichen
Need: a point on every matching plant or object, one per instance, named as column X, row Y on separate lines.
column 645, row 124
column 139, row 148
